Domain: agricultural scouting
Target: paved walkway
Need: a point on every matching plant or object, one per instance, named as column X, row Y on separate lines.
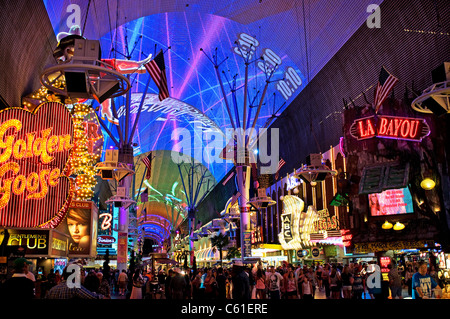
column 320, row 294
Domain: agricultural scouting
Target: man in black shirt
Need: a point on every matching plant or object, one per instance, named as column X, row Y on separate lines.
column 18, row 286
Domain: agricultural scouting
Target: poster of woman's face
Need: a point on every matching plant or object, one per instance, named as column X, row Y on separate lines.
column 78, row 225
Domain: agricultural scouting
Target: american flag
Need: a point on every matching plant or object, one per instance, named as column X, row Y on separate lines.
column 280, row 164
column 157, row 70
column 148, row 164
column 386, row 82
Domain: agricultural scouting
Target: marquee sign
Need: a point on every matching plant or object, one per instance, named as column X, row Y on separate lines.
column 34, row 149
column 290, row 221
column 394, row 127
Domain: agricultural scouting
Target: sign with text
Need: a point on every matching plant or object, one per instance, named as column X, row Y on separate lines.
column 34, row 149
column 394, row 127
column 391, row 202
column 81, row 226
column 247, row 244
column 36, row 242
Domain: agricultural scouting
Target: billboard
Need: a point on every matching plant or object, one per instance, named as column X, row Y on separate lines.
column 391, row 202
column 34, row 149
column 81, row 226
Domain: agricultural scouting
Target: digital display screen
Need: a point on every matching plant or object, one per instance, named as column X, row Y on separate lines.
column 391, row 202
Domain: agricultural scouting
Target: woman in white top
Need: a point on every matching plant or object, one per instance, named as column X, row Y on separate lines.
column 307, row 289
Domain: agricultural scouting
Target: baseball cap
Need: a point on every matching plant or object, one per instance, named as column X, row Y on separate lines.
column 20, row 262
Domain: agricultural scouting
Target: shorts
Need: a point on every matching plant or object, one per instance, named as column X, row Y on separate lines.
column 396, row 291
column 291, row 293
column 346, row 288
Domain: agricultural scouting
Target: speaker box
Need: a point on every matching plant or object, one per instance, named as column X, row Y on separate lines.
column 434, row 106
column 106, row 90
column 441, row 73
column 107, row 174
column 76, row 84
column 320, row 177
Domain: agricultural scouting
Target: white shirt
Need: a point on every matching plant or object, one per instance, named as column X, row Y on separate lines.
column 273, row 281
column 306, row 288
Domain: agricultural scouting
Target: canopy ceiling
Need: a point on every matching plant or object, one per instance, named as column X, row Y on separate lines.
column 302, row 34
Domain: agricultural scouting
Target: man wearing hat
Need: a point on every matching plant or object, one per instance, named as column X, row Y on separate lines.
column 18, row 286
column 177, row 284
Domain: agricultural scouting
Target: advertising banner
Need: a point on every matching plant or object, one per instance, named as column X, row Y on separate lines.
column 122, row 248
column 81, row 226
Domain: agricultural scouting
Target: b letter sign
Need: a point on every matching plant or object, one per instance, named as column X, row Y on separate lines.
column 34, row 150
column 402, row 128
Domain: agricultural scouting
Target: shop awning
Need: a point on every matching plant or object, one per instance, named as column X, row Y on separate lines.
column 208, row 254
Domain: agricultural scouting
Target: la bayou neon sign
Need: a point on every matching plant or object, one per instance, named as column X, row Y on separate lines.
column 34, row 150
column 394, row 127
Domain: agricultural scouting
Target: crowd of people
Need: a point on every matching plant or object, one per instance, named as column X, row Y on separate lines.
column 238, row 282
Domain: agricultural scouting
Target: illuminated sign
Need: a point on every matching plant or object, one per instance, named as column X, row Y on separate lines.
column 122, row 248
column 391, row 202
column 59, row 244
column 35, row 241
column 106, row 223
column 286, row 220
column 289, row 237
column 80, row 225
column 105, row 240
column 383, row 126
column 292, row 182
column 384, row 263
column 257, row 235
column 346, row 237
column 35, row 147
column 325, row 222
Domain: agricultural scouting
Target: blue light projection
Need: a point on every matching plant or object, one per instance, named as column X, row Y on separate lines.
column 196, row 101
column 296, row 38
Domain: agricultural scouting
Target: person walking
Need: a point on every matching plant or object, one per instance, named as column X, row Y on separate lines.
column 274, row 282
column 138, row 282
column 291, row 285
column 395, row 281
column 334, row 283
column 326, row 281
column 65, row 291
column 347, row 282
column 307, row 289
column 240, row 281
column 209, row 283
column 18, row 287
column 260, row 284
column 122, row 281
column 104, row 288
column 177, row 285
column 359, row 283
column 422, row 283
column 221, row 284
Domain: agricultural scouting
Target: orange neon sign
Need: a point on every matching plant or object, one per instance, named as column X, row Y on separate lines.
column 34, row 149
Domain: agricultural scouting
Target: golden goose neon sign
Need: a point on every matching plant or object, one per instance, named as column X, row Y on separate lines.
column 34, row 150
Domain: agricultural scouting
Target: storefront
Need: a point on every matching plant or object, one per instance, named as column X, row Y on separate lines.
column 46, row 248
